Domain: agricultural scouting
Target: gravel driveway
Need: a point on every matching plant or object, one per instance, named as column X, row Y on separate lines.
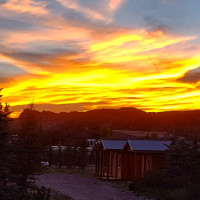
column 84, row 188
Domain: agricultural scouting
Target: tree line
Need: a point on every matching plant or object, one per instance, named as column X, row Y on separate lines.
column 182, row 123
column 21, row 153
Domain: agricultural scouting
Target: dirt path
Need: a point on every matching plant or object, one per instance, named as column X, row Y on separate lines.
column 84, row 188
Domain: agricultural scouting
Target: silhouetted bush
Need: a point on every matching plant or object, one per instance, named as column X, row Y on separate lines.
column 30, row 192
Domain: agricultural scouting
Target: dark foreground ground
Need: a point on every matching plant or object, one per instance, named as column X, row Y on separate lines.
column 84, row 188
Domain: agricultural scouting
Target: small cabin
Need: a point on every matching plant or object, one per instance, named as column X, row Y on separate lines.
column 129, row 160
column 109, row 158
column 141, row 157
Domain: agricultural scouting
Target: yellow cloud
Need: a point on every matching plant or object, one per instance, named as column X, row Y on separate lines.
column 126, row 47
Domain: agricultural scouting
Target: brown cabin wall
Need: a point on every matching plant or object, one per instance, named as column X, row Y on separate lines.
column 139, row 165
column 115, row 164
column 108, row 163
column 131, row 162
column 127, row 165
column 124, row 166
column 136, row 164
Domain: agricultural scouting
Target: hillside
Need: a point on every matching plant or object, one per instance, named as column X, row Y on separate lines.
column 176, row 122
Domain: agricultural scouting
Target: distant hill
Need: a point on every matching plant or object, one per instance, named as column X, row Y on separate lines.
column 176, row 122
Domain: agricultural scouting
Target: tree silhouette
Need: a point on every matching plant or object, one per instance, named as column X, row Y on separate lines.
column 4, row 143
column 28, row 149
column 182, row 164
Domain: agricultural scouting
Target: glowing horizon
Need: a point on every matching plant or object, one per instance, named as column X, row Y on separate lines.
column 74, row 55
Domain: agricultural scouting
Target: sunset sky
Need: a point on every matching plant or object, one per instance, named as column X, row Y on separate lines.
column 68, row 55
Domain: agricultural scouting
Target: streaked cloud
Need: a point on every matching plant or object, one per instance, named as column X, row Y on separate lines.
column 26, row 6
column 90, row 13
column 97, row 10
column 191, row 76
column 86, row 54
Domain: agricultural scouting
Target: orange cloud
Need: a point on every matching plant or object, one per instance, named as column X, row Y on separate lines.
column 115, row 4
column 26, row 6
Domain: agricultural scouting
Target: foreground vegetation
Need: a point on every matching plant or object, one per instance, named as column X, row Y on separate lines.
column 30, row 192
column 20, row 160
column 89, row 171
column 180, row 177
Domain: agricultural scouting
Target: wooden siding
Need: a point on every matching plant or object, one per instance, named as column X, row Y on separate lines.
column 108, row 164
column 126, row 164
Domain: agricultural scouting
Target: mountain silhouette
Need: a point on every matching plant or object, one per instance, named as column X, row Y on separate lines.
column 127, row 118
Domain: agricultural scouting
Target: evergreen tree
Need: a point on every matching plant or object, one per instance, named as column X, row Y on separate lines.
column 19, row 159
column 83, row 154
column 4, row 143
column 182, row 164
column 28, row 149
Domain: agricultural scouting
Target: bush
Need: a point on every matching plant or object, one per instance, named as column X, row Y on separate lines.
column 177, row 194
column 194, row 192
column 29, row 193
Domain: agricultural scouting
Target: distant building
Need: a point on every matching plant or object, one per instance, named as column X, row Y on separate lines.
column 129, row 160
column 89, row 148
column 57, row 148
column 91, row 144
column 127, row 134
